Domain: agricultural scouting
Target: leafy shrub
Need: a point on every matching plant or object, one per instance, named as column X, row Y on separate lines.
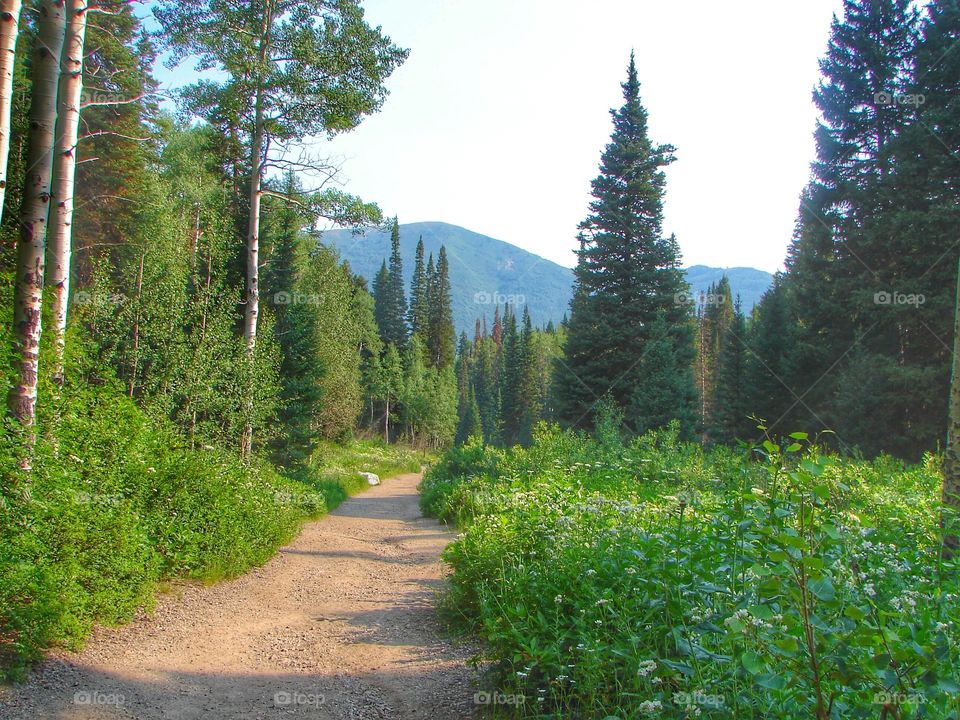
column 661, row 580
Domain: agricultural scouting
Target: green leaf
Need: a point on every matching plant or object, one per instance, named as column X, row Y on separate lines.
column 823, row 589
column 753, row 663
column 771, row 681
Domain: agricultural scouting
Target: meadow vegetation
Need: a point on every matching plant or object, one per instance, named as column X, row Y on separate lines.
column 657, row 578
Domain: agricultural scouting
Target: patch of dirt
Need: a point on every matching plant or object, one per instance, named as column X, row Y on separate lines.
column 339, row 625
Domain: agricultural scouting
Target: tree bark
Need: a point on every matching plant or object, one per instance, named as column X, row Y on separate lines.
column 28, row 295
column 252, row 309
column 64, row 175
column 9, row 29
column 951, row 461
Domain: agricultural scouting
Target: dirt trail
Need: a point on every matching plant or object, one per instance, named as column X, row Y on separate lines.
column 340, row 625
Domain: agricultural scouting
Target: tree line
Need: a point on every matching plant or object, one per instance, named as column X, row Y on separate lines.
column 855, row 336
column 175, row 258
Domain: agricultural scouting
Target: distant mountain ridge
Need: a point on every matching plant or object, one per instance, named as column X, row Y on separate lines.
column 485, row 272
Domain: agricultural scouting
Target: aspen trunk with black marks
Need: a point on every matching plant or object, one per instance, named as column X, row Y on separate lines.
column 386, row 423
column 951, row 460
column 59, row 249
column 9, row 30
column 28, row 294
column 252, row 309
column 258, row 141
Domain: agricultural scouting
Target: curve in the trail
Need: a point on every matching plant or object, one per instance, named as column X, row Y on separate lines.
column 339, row 625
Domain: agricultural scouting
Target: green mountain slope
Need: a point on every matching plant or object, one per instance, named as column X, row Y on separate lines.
column 484, row 271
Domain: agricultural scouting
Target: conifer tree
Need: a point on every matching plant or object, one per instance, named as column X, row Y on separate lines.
column 441, row 338
column 470, row 426
column 628, row 279
column 730, row 415
column 395, row 297
column 381, row 302
column 509, row 376
column 419, row 302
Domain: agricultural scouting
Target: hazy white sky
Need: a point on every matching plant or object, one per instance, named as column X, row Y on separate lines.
column 497, row 120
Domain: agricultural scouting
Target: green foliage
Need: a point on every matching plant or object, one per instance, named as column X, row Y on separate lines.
column 120, row 503
column 626, row 319
column 334, row 468
column 662, row 580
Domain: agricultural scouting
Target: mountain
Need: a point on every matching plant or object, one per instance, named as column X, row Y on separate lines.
column 749, row 283
column 485, row 271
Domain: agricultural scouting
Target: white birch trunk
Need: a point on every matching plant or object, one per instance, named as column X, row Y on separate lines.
column 9, row 29
column 28, row 295
column 64, row 174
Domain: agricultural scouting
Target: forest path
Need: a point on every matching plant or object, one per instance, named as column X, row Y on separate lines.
column 339, row 625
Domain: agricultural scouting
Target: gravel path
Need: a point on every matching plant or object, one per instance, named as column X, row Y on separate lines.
column 340, row 625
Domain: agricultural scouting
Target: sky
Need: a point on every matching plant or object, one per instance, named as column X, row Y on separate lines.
column 497, row 120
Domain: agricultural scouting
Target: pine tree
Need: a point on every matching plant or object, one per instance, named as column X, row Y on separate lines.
column 395, row 297
column 470, row 426
column 530, row 391
column 730, row 415
column 510, row 379
column 419, row 302
column 381, row 302
column 714, row 315
column 628, row 275
column 441, row 337
column 771, row 360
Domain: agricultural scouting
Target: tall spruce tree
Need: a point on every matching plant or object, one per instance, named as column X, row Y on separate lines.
column 627, row 276
column 419, row 302
column 730, row 413
column 381, row 283
column 441, row 337
column 395, row 296
column 861, row 237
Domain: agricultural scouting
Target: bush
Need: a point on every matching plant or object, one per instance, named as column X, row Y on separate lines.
column 660, row 580
column 116, row 505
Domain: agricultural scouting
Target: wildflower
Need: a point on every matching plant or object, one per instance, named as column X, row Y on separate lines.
column 558, row 599
column 646, row 667
column 631, row 571
column 869, row 590
column 649, row 707
column 941, row 627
